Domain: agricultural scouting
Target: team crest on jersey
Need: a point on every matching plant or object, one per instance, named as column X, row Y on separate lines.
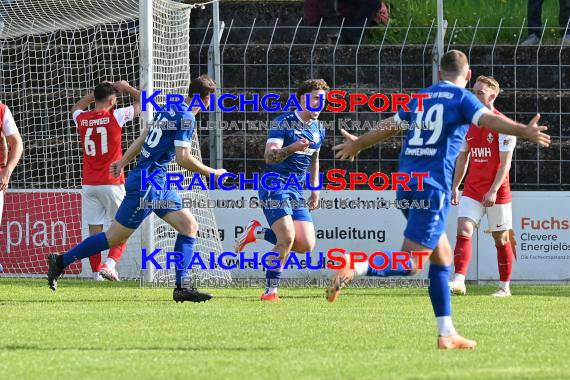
column 490, row 138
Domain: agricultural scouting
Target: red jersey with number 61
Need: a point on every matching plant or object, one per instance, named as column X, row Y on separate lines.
column 100, row 132
column 485, row 146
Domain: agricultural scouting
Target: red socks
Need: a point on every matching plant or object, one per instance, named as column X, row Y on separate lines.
column 505, row 260
column 462, row 254
column 95, row 262
column 115, row 253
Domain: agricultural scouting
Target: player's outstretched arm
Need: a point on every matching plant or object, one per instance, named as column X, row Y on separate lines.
column 354, row 145
column 124, row 87
column 133, row 151
column 502, row 124
column 185, row 159
column 460, row 170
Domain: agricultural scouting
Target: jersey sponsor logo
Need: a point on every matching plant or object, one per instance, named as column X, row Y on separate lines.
column 481, row 152
column 490, row 138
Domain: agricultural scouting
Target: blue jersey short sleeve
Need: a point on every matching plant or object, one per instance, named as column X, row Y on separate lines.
column 471, row 108
column 276, row 134
column 185, row 129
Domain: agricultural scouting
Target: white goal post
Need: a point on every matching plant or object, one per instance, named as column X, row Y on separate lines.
column 52, row 53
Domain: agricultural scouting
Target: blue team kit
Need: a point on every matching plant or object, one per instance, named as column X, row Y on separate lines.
column 157, row 152
column 448, row 112
column 297, row 164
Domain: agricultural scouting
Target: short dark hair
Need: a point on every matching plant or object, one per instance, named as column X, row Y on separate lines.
column 312, row 85
column 103, row 91
column 453, row 63
column 203, row 86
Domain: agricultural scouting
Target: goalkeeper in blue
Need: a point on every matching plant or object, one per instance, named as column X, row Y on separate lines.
column 157, row 147
column 449, row 110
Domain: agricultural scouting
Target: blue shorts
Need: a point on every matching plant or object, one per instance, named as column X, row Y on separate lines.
column 425, row 226
column 131, row 215
column 284, row 209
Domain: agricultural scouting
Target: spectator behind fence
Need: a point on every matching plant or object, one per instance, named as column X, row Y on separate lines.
column 355, row 13
column 535, row 24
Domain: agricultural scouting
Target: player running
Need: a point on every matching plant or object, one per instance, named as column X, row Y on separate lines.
column 157, row 148
column 486, row 191
column 100, row 130
column 449, row 111
column 9, row 136
column 290, row 150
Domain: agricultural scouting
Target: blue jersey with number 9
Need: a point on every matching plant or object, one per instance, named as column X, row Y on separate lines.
column 175, row 130
column 433, row 143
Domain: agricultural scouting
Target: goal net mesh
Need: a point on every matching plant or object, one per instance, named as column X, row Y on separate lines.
column 52, row 53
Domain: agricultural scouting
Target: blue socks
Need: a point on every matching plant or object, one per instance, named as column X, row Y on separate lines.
column 273, row 278
column 269, row 235
column 439, row 289
column 388, row 271
column 185, row 245
column 88, row 247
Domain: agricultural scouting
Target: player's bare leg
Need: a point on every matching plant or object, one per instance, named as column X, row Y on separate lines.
column 462, row 255
column 184, row 222
column 95, row 260
column 440, row 296
column 304, row 236
column 505, row 262
column 284, row 230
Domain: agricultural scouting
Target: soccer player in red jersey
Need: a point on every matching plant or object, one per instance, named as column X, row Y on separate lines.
column 486, row 191
column 101, row 130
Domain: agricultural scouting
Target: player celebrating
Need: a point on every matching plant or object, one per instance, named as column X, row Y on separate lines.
column 100, row 131
column 9, row 136
column 448, row 111
column 487, row 190
column 157, row 147
column 290, row 150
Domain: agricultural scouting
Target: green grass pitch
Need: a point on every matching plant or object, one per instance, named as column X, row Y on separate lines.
column 90, row 330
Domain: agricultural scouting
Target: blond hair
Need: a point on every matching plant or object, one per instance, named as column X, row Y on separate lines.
column 490, row 82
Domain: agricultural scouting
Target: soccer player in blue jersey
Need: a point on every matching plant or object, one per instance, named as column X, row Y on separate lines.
column 449, row 111
column 157, row 147
column 291, row 149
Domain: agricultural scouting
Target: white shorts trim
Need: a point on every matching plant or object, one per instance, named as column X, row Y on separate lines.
column 499, row 216
column 101, row 202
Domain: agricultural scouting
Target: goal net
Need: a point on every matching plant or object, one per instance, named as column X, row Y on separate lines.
column 52, row 53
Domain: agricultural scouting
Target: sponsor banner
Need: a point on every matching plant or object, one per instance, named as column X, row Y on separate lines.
column 350, row 226
column 36, row 223
column 542, row 227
